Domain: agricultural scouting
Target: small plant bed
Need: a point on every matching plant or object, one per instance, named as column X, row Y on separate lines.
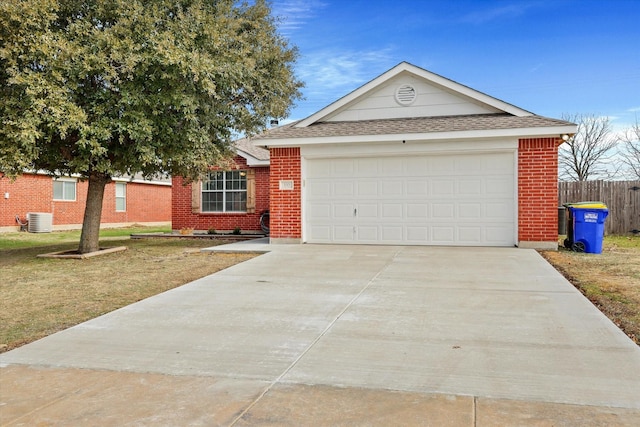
column 611, row 280
column 233, row 237
column 74, row 254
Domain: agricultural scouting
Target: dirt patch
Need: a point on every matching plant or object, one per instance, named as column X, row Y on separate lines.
column 611, row 280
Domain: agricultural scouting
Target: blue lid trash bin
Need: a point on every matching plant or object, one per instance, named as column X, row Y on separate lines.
column 585, row 226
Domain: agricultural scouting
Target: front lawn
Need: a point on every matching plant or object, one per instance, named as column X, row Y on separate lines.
column 40, row 296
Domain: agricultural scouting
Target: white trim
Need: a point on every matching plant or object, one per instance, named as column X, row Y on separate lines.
column 251, row 160
column 142, row 181
column 398, row 149
column 428, row 136
column 436, row 79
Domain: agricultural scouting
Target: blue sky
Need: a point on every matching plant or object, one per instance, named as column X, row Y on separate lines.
column 548, row 56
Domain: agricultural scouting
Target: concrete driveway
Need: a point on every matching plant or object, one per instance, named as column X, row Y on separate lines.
column 339, row 335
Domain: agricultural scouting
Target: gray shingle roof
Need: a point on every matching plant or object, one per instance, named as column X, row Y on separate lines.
column 411, row 125
column 246, row 145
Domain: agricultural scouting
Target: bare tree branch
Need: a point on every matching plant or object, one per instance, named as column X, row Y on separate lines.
column 587, row 154
column 630, row 149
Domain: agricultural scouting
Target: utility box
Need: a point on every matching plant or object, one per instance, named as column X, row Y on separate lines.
column 40, row 222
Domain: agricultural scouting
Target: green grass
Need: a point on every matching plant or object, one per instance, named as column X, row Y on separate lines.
column 30, row 240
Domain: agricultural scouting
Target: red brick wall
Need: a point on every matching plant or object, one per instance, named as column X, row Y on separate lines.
column 286, row 212
column 183, row 217
column 538, row 190
column 34, row 193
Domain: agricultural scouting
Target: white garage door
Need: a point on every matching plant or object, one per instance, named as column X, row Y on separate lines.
column 461, row 199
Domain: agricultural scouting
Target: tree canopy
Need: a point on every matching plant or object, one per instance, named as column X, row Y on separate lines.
column 114, row 87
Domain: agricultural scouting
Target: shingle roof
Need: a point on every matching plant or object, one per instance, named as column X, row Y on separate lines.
column 411, row 125
column 246, row 145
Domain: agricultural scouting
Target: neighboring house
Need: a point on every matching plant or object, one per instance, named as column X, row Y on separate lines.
column 126, row 201
column 413, row 158
column 225, row 200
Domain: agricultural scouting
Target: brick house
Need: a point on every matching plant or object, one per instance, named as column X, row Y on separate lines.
column 414, row 158
column 225, row 199
column 126, row 201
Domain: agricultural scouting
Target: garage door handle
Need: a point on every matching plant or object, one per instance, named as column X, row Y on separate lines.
column 355, row 212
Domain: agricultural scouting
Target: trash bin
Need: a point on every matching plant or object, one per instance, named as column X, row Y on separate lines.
column 585, row 226
column 562, row 220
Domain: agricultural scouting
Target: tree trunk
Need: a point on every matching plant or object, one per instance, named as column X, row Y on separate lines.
column 89, row 239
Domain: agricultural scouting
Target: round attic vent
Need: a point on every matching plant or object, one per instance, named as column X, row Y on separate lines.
column 406, row 94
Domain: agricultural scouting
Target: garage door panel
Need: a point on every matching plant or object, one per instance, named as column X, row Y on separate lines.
column 392, row 234
column 321, row 233
column 392, row 166
column 460, row 199
column 417, row 234
column 499, row 185
column 500, row 211
column 443, row 211
column 443, row 235
column 319, row 212
column 367, row 188
column 392, row 211
column 417, row 188
column 417, row 211
column 443, row 187
column 367, row 211
column 320, row 188
column 343, row 211
column 470, row 211
column 366, row 168
column 469, row 234
column 368, row 234
column 392, row 188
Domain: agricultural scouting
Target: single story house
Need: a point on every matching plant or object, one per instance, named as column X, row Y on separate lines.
column 126, row 201
column 410, row 158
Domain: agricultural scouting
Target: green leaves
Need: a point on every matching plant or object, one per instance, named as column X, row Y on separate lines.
column 133, row 86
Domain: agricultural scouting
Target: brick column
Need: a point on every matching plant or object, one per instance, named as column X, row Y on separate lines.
column 538, row 193
column 285, row 204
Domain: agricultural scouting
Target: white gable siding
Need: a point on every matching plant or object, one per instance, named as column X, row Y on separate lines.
column 431, row 100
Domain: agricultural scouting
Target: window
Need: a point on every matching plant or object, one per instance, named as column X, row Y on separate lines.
column 225, row 192
column 64, row 189
column 121, row 196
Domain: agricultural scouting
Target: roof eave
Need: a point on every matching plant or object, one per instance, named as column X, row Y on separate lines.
column 531, row 132
column 251, row 160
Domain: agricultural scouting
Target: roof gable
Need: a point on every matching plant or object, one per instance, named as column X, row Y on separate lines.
column 409, row 91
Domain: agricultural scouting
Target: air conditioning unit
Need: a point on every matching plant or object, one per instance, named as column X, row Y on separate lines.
column 40, row 222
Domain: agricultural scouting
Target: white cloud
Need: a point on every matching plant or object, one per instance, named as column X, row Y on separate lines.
column 340, row 69
column 502, row 12
column 294, row 13
column 331, row 74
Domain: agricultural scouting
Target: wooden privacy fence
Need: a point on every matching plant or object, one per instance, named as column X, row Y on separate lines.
column 621, row 197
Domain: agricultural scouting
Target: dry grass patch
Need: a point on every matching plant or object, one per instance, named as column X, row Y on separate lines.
column 40, row 296
column 610, row 280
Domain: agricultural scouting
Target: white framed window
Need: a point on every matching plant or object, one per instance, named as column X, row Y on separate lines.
column 225, row 191
column 64, row 189
column 121, row 196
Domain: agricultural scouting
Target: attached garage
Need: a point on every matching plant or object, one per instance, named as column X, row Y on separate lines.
column 447, row 199
column 413, row 158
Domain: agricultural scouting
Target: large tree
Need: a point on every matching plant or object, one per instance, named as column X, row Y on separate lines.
column 630, row 149
column 105, row 88
column 586, row 154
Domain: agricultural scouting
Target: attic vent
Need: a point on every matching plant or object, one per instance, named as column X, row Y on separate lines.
column 406, row 94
